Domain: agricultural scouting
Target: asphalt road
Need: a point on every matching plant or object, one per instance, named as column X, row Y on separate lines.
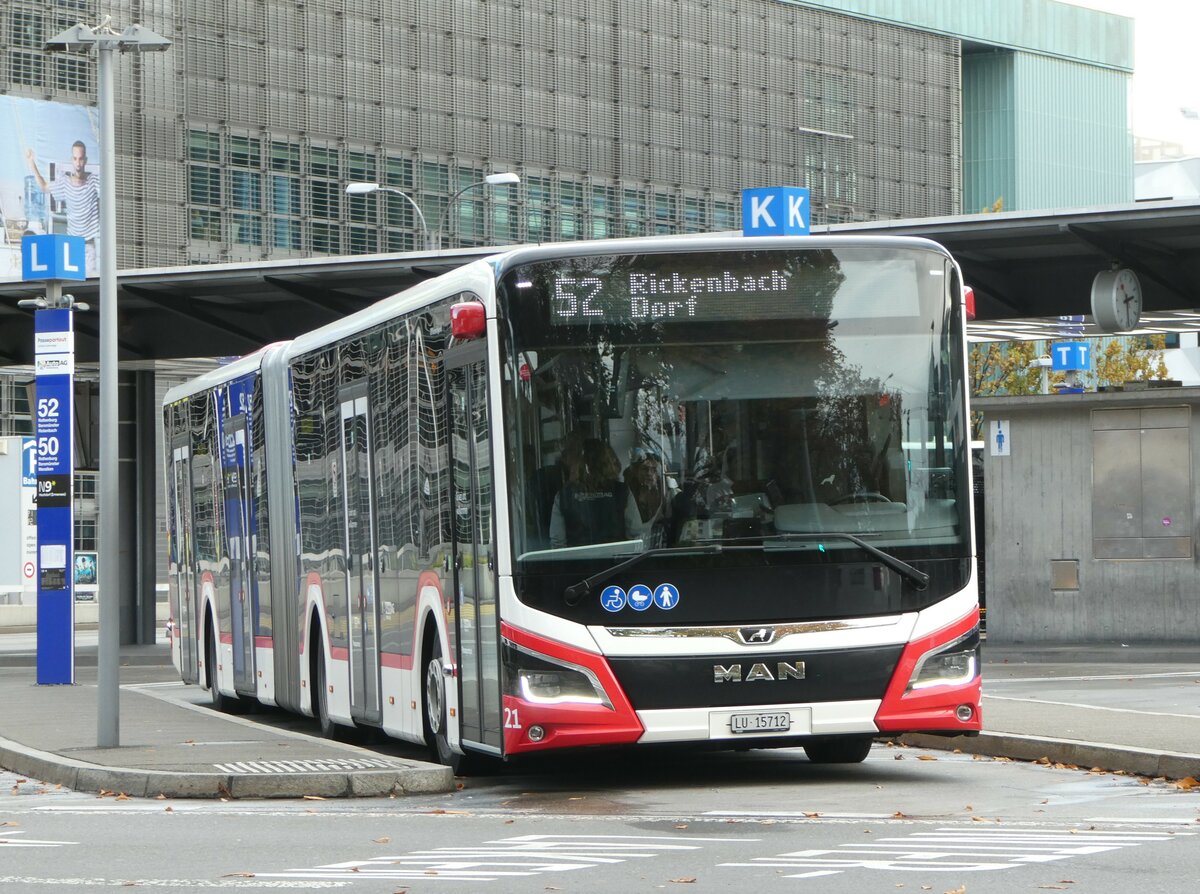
column 762, row 821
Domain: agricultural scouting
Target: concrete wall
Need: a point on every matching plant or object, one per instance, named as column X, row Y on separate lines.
column 1039, row 510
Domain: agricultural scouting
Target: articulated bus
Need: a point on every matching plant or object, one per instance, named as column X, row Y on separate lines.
column 704, row 490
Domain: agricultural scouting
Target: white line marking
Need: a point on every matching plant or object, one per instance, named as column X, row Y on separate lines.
column 1042, row 701
column 991, row 681
column 798, row 814
column 154, row 884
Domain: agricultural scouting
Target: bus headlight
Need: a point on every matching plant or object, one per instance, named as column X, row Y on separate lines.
column 540, row 679
column 954, row 664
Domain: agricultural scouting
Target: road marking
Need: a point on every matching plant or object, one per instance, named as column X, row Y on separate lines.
column 7, row 841
column 992, row 681
column 1042, row 701
column 951, row 849
column 799, row 814
column 521, row 856
column 324, row 765
column 155, row 884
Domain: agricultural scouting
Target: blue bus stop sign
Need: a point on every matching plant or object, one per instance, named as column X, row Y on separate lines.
column 775, row 211
column 53, row 257
column 1066, row 356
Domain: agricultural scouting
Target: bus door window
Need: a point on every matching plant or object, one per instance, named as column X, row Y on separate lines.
column 474, row 564
column 361, row 585
column 235, row 462
column 182, row 563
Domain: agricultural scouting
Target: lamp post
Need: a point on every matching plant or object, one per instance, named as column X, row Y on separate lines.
column 362, row 189
column 432, row 240
column 490, row 180
column 104, row 39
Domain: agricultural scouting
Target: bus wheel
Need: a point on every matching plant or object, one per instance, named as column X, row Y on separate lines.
column 320, row 700
column 220, row 701
column 839, row 750
column 436, row 733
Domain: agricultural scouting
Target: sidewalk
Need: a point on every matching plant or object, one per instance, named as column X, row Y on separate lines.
column 173, row 744
column 1134, row 709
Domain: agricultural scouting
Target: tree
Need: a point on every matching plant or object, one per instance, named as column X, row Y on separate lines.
column 1130, row 359
column 1003, row 368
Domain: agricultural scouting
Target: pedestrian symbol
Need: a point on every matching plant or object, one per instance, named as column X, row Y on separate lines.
column 999, row 437
column 666, row 596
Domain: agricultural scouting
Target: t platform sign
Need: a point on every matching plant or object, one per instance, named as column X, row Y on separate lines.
column 54, row 259
column 775, row 211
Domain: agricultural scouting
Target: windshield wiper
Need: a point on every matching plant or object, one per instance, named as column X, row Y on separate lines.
column 918, row 579
column 575, row 592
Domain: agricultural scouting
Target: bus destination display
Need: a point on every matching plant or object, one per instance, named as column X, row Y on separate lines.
column 688, row 289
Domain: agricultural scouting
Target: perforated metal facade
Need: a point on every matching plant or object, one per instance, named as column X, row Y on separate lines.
column 621, row 116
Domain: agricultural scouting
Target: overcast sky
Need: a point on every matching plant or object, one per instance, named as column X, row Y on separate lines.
column 1166, row 67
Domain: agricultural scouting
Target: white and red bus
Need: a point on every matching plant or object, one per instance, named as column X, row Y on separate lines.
column 699, row 490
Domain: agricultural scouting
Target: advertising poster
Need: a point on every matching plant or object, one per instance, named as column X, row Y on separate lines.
column 49, row 176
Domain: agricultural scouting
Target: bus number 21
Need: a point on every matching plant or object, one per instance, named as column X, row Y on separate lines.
column 511, row 720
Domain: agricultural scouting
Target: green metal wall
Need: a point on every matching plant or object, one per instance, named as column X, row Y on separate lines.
column 1035, row 26
column 1073, row 143
column 1041, row 132
column 988, row 134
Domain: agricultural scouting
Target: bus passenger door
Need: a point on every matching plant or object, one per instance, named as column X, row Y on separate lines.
column 361, row 584
column 478, row 658
column 236, row 467
column 183, row 567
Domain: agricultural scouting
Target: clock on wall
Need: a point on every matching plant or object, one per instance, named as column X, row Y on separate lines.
column 1116, row 300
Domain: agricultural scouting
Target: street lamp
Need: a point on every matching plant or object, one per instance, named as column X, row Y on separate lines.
column 104, row 39
column 490, row 180
column 363, row 189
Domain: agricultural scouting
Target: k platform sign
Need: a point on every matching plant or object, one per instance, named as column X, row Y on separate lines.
column 775, row 211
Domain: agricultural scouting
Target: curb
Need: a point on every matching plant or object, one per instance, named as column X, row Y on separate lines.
column 1169, row 764
column 86, row 777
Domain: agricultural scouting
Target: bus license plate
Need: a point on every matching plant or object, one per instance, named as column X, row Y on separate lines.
column 760, row 723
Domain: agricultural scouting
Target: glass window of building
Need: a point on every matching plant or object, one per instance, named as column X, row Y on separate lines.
column 245, row 229
column 245, row 152
column 326, row 237
column 633, row 213
column 537, row 208
column 72, row 73
column 570, row 209
column 285, row 157
column 665, row 221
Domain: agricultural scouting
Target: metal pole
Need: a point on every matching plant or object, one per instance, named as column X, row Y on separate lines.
column 108, row 659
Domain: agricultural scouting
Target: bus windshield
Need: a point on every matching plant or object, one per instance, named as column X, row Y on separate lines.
column 685, row 399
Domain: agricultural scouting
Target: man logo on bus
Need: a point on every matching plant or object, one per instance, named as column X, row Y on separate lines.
column 752, row 635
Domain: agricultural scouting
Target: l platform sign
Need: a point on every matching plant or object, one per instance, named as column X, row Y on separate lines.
column 775, row 211
column 54, row 258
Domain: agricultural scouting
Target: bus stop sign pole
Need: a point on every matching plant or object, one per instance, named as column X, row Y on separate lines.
column 54, row 259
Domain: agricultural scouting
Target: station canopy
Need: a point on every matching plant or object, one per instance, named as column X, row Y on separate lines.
column 1031, row 272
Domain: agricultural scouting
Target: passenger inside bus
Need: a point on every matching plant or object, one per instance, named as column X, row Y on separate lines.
column 594, row 505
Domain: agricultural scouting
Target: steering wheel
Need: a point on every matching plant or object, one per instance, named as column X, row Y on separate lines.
column 861, row 496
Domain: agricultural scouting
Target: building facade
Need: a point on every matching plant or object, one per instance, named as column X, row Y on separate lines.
column 622, row 117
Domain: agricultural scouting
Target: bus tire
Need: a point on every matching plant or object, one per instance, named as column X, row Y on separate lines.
column 839, row 750
column 436, row 733
column 320, row 694
column 226, row 704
